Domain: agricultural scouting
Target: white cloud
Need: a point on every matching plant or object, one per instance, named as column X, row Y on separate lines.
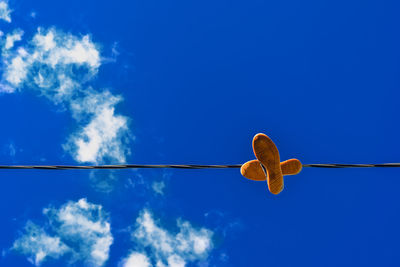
column 103, row 180
column 16, row 70
column 9, row 149
column 150, row 185
column 79, row 228
column 38, row 245
column 54, row 63
column 169, row 249
column 12, row 149
column 106, row 133
column 158, row 187
column 136, row 259
column 5, row 12
column 12, row 38
column 57, row 65
column 86, row 224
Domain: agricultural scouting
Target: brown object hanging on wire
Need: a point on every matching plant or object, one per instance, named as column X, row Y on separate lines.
column 267, row 166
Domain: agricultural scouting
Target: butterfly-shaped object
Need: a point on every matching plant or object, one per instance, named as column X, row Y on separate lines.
column 267, row 166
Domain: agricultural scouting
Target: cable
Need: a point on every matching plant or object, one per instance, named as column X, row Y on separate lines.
column 187, row 166
column 337, row 165
column 125, row 166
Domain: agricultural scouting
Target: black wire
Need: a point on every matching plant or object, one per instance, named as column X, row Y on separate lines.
column 124, row 166
column 337, row 165
column 188, row 166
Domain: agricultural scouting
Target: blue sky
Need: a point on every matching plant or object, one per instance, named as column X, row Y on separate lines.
column 99, row 82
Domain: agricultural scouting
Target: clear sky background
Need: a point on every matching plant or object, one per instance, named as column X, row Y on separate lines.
column 99, row 82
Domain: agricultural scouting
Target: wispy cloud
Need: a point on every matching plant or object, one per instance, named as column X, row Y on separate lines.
column 152, row 185
column 13, row 37
column 38, row 245
column 166, row 248
column 105, row 134
column 158, row 187
column 79, row 230
column 5, row 12
column 59, row 66
column 54, row 63
column 10, row 149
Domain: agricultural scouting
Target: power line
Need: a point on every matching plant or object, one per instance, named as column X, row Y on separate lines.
column 121, row 166
column 179, row 166
column 338, row 165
